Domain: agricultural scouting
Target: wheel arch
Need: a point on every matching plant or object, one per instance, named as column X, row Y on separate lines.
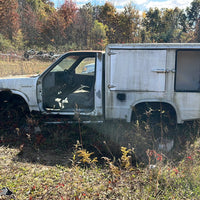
column 167, row 105
column 14, row 97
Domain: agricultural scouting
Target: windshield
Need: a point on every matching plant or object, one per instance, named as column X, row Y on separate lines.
column 65, row 64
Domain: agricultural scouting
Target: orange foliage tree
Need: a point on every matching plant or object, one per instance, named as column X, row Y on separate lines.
column 9, row 18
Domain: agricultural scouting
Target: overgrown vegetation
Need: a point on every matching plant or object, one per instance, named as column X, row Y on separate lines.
column 51, row 165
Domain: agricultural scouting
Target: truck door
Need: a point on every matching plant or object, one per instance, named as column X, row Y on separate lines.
column 70, row 85
column 138, row 70
column 132, row 71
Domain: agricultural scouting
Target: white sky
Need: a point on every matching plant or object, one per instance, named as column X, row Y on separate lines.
column 140, row 4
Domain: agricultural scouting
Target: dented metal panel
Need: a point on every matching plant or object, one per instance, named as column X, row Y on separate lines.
column 138, row 74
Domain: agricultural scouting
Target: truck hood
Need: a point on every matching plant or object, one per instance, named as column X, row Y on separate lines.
column 19, row 82
column 20, row 76
column 24, row 86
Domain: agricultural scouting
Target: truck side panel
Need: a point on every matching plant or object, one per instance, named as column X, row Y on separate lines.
column 138, row 70
column 152, row 73
column 131, row 76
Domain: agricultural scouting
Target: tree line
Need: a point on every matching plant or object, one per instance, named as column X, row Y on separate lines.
column 38, row 24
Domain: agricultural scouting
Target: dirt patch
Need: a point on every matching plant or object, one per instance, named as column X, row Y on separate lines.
column 45, row 157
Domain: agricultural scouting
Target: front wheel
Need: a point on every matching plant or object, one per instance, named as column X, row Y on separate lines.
column 12, row 115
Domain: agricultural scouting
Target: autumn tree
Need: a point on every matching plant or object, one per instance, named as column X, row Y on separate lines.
column 37, row 23
column 152, row 23
column 30, row 26
column 53, row 30
column 193, row 14
column 84, row 24
column 54, row 27
column 98, row 36
column 33, row 14
column 108, row 17
column 41, row 7
column 165, row 25
column 128, row 25
column 9, row 18
column 172, row 24
column 67, row 14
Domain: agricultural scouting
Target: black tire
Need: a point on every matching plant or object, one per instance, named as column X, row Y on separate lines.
column 12, row 115
column 157, row 122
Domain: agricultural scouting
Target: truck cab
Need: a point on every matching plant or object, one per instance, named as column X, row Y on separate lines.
column 73, row 83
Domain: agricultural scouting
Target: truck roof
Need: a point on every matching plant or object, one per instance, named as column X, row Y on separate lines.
column 155, row 46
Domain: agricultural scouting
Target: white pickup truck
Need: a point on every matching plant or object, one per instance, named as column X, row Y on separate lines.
column 115, row 84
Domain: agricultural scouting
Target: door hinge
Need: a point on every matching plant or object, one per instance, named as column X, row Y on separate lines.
column 111, row 86
column 111, row 53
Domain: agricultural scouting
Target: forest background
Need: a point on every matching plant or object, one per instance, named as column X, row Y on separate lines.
column 37, row 24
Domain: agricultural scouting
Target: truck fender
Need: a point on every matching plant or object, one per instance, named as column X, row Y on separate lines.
column 171, row 104
column 26, row 99
column 14, row 109
column 15, row 93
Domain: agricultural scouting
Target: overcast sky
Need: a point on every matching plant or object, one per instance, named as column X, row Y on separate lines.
column 142, row 5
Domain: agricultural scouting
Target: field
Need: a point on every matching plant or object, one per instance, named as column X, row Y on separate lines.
column 79, row 162
column 14, row 66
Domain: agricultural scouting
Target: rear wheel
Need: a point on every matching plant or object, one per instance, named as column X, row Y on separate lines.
column 157, row 123
column 154, row 115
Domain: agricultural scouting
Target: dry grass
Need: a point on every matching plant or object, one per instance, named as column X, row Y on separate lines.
column 85, row 180
column 21, row 67
column 29, row 172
